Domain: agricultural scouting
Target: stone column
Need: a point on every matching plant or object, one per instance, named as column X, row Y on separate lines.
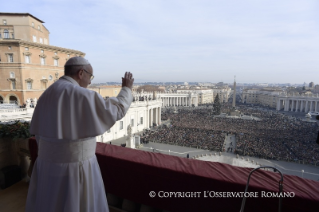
column 155, row 117
column 316, row 106
column 301, row 105
column 310, row 105
column 278, row 105
column 146, row 119
column 151, row 110
column 306, row 108
column 292, row 105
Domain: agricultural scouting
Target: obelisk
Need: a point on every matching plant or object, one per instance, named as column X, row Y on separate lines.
column 234, row 94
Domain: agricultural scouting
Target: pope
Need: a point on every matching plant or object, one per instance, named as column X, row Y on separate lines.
column 66, row 175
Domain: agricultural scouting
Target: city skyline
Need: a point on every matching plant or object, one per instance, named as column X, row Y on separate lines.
column 202, row 41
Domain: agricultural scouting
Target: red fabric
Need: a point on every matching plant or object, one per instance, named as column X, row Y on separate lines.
column 132, row 174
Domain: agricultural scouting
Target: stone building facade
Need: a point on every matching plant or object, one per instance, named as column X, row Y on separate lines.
column 107, row 91
column 28, row 64
column 265, row 96
column 141, row 115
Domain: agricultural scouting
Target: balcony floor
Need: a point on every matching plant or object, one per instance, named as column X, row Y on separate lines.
column 13, row 199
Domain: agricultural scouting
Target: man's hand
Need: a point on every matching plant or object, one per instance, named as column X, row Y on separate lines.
column 128, row 80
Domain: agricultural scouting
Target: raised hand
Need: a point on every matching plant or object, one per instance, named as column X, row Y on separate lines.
column 128, row 80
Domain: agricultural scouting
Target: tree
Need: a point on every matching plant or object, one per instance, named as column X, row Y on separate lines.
column 216, row 105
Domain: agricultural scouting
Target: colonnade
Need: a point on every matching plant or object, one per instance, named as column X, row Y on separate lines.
column 176, row 101
column 298, row 105
column 153, row 116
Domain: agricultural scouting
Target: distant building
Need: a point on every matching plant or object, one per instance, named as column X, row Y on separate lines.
column 28, row 63
column 220, row 84
column 311, row 85
column 265, row 96
column 106, row 90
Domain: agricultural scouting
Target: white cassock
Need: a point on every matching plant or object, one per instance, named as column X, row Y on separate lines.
column 66, row 176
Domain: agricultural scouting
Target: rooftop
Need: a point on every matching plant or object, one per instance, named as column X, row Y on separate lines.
column 22, row 14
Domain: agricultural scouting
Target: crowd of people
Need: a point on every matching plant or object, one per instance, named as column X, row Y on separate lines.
column 274, row 136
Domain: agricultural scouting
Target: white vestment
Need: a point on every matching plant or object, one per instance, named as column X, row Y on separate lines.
column 66, row 175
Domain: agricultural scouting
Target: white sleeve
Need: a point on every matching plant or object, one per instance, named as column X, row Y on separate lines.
column 122, row 102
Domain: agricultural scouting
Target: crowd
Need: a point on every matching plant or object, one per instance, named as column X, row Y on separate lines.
column 275, row 136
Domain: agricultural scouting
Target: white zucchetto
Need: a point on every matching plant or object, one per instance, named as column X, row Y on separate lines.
column 77, row 61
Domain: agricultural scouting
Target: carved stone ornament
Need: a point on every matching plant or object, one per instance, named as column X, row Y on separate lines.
column 56, row 57
column 27, row 53
column 44, row 80
column 11, row 79
column 56, row 75
column 29, row 80
column 42, row 55
column 129, row 131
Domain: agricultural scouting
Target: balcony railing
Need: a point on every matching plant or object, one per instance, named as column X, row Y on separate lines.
column 164, row 182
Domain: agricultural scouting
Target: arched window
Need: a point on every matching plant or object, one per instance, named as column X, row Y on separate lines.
column 5, row 33
column 13, row 100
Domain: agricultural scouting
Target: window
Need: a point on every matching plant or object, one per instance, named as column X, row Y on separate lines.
column 9, row 47
column 42, row 51
column 50, row 77
column 44, row 84
column 13, row 84
column 39, row 27
column 34, row 38
column 4, row 22
column 32, row 24
column 55, row 53
column 29, row 85
column 12, row 75
column 27, row 59
column 141, row 120
column 132, row 122
column 108, row 131
column 5, row 34
column 41, row 40
column 10, row 58
column 12, row 36
column 43, row 61
column 68, row 55
column 56, row 62
column 26, row 48
column 121, row 125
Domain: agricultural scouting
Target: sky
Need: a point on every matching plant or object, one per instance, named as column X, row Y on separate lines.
column 259, row 41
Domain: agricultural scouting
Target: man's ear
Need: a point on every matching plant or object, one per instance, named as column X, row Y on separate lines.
column 80, row 74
